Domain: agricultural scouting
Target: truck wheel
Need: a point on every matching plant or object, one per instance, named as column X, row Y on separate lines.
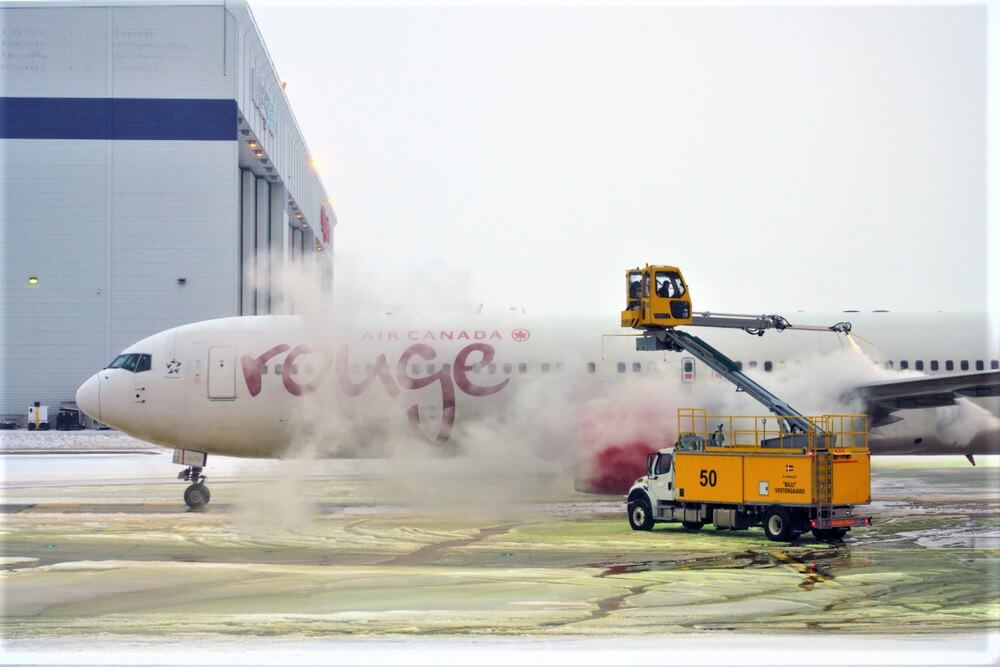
column 778, row 525
column 692, row 525
column 640, row 515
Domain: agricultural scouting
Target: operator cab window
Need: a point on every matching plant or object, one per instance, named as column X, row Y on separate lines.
column 119, row 361
column 669, row 284
column 663, row 464
column 145, row 363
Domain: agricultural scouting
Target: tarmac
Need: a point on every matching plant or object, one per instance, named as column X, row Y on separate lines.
column 100, row 545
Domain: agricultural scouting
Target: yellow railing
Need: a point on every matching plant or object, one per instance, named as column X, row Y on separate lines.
column 839, row 431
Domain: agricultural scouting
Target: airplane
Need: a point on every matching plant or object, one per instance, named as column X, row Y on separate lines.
column 260, row 386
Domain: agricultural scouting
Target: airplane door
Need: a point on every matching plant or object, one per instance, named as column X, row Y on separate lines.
column 222, row 373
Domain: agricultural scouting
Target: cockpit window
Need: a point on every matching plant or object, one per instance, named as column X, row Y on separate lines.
column 131, row 362
column 136, row 363
column 119, row 360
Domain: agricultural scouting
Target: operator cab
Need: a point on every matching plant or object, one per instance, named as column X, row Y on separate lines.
column 656, row 296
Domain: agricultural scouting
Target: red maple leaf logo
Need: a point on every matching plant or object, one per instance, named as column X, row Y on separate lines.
column 520, row 335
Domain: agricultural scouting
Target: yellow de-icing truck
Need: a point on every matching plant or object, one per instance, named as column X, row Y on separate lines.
column 747, row 471
column 786, row 472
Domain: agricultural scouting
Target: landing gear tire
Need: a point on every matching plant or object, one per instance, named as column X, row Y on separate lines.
column 692, row 525
column 829, row 534
column 778, row 525
column 640, row 515
column 197, row 496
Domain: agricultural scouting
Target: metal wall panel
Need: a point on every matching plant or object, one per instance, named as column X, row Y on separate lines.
column 248, row 244
column 261, row 252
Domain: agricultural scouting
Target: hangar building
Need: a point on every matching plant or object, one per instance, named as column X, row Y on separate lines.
column 153, row 174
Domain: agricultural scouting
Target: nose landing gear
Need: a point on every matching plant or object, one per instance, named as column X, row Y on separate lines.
column 197, row 495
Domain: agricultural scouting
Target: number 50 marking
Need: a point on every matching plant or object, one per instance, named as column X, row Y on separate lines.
column 708, row 478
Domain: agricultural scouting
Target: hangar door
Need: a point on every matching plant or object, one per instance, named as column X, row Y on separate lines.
column 222, row 373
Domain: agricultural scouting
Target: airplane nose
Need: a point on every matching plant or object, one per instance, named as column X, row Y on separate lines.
column 88, row 397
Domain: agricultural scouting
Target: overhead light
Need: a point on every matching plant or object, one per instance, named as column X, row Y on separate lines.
column 284, row 84
column 259, row 153
column 32, row 280
column 330, row 200
column 252, row 143
column 314, row 163
column 299, row 215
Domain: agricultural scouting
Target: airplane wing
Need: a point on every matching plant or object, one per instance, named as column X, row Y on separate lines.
column 884, row 398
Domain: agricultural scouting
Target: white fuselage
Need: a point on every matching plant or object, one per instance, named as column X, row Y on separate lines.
column 252, row 386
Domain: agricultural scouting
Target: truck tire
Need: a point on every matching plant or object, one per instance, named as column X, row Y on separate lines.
column 778, row 525
column 640, row 514
column 692, row 525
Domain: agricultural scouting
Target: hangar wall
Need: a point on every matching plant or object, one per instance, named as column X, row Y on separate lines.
column 148, row 155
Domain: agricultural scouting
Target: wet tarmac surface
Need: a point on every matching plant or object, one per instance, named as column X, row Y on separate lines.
column 102, row 545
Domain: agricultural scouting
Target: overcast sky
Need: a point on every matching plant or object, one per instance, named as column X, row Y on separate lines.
column 786, row 158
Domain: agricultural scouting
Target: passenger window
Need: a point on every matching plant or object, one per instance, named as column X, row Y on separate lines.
column 768, row 366
column 919, row 365
column 295, row 369
column 446, row 368
column 278, row 369
column 934, row 364
column 663, row 464
column 904, row 364
column 994, row 364
column 508, row 368
column 414, row 369
column 131, row 362
column 368, row 369
column 739, row 365
column 431, row 368
column 145, row 363
column 492, row 369
column 522, row 367
column 621, row 366
column 559, row 367
column 980, row 365
column 888, row 365
column 753, row 364
column 949, row 365
column 591, row 367
column 636, row 367
column 263, row 369
column 964, row 365
column 546, row 367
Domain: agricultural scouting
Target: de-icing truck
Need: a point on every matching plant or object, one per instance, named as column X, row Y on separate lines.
column 787, row 472
column 747, row 471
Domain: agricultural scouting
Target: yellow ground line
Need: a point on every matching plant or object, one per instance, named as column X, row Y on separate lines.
column 798, row 567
